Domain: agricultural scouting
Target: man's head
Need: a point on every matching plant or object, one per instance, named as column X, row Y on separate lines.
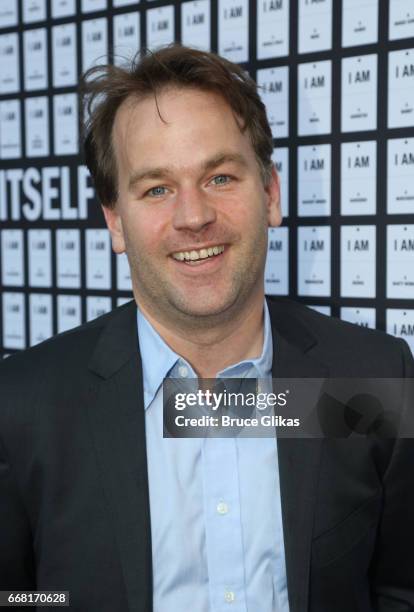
column 180, row 151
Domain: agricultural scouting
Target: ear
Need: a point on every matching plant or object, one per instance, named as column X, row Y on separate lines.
column 114, row 223
column 274, row 213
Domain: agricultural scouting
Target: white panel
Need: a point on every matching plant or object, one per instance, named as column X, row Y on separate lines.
column 401, row 88
column 8, row 13
column 10, row 130
column 68, row 312
column 89, row 6
column 274, row 90
column 9, row 64
column 94, row 42
column 126, row 37
column 96, row 306
column 12, row 258
column 400, row 323
column 401, row 19
column 34, row 10
column 233, row 26
column 272, row 28
column 117, row 3
column 196, row 24
column 359, row 22
column 358, row 251
column 400, row 261
column 314, row 97
column 37, row 127
column 277, row 262
column 40, row 317
column 359, row 93
column 400, row 173
column 65, row 119
column 68, row 258
column 63, row 8
column 315, row 25
column 364, row 317
column 314, row 180
column 40, row 258
column 359, row 178
column 98, row 259
column 314, row 261
column 160, row 26
column 14, row 329
column 35, row 59
column 64, row 55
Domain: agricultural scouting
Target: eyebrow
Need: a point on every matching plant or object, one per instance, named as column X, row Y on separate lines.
column 165, row 171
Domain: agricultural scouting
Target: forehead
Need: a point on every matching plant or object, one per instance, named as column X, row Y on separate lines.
column 192, row 122
column 168, row 106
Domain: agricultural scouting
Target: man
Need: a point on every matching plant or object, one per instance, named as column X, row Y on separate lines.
column 93, row 499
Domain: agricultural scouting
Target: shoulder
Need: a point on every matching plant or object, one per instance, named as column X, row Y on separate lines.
column 65, row 352
column 54, row 377
column 325, row 329
column 345, row 346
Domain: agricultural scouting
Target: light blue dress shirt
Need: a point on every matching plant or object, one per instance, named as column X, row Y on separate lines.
column 216, row 523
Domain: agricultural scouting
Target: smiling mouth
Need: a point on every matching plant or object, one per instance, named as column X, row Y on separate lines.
column 193, row 256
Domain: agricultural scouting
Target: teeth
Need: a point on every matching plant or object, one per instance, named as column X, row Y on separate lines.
column 196, row 255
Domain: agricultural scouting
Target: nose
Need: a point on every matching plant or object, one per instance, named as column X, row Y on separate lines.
column 193, row 211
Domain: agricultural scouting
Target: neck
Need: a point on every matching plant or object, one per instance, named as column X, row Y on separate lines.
column 210, row 350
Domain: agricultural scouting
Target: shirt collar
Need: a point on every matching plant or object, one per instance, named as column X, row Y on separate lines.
column 261, row 366
column 158, row 359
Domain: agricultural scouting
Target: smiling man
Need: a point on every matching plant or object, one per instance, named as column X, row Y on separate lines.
column 93, row 498
column 192, row 214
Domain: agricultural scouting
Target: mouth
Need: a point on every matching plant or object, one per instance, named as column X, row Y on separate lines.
column 200, row 257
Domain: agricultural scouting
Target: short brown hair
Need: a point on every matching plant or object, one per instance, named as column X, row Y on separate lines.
column 105, row 87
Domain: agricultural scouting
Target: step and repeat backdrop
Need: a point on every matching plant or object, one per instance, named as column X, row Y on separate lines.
column 337, row 78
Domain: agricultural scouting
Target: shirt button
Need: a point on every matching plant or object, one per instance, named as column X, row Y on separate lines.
column 222, row 508
column 183, row 371
column 229, row 596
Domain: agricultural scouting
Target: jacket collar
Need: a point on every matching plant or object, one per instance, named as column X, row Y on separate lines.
column 299, row 459
column 118, row 340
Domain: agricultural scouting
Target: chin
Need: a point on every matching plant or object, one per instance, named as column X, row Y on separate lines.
column 204, row 308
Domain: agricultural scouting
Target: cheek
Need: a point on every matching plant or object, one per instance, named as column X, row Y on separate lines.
column 144, row 232
column 252, row 214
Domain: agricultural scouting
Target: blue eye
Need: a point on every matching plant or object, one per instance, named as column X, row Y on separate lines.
column 155, row 191
column 221, row 177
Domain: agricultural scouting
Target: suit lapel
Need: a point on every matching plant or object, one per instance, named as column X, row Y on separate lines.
column 299, row 459
column 117, row 421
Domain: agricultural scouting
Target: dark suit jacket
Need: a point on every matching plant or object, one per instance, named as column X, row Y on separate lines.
column 74, row 506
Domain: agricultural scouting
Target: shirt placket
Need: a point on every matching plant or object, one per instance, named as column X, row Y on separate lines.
column 224, row 543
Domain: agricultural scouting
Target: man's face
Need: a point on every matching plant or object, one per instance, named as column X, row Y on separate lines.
column 192, row 212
